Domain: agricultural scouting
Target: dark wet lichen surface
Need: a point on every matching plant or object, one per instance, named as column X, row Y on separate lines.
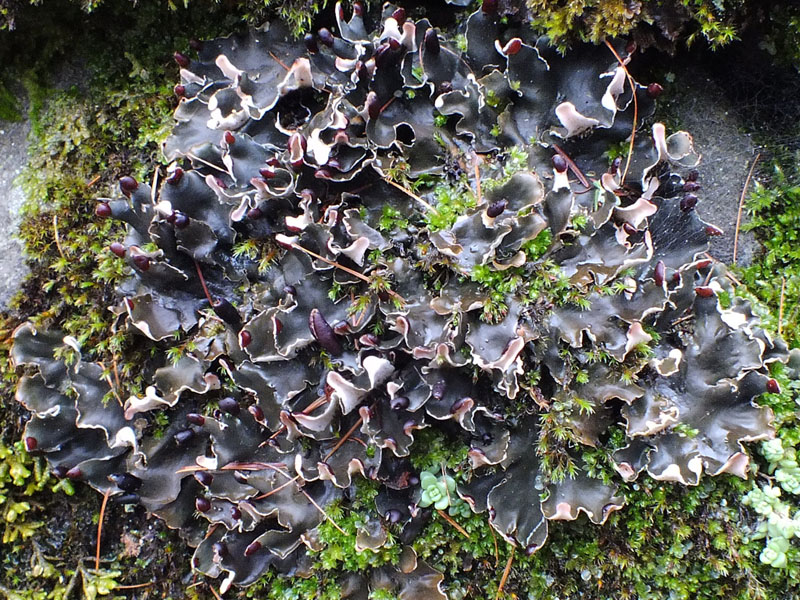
column 367, row 235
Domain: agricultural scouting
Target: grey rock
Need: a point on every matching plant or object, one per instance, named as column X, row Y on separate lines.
column 703, row 110
column 13, row 158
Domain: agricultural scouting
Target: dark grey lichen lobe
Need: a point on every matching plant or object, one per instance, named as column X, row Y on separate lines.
column 333, row 313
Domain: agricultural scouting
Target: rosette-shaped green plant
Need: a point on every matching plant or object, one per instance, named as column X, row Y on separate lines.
column 370, row 233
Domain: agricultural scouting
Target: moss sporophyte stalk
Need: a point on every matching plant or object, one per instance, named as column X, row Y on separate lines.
column 370, row 245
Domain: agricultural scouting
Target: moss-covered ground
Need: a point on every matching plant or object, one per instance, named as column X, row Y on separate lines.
column 669, row 542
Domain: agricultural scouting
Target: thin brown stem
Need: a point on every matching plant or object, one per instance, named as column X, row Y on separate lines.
column 450, row 520
column 477, row 168
column 506, row 573
column 203, row 283
column 573, row 167
column 496, row 548
column 410, row 194
column 308, row 409
column 214, row 592
column 279, row 61
column 352, row 272
column 741, row 205
column 94, row 180
column 100, row 527
column 134, row 587
column 632, row 83
column 57, row 238
column 780, row 307
column 345, row 437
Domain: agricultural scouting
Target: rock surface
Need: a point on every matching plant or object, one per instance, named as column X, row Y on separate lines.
column 727, row 152
column 13, row 157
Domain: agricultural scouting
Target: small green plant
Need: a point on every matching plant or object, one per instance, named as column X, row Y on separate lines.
column 437, row 490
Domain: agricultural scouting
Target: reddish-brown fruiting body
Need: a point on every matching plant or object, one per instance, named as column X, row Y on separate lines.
column 245, row 338
column 117, row 249
column 495, row 209
column 489, row 7
column 399, row 403
column 252, row 548
column 369, row 339
column 373, row 106
column 204, row 478
column 31, row 443
column 358, row 9
column 773, row 387
column 141, row 261
column 255, row 213
column 693, row 175
column 688, row 202
column 180, row 90
column 691, row 186
column 175, row 177
column 103, row 210
column 230, row 139
column 196, row 45
column 399, row 15
column 196, row 419
column 278, row 326
column 659, row 273
column 323, row 332
column 257, row 412
column 236, row 514
column 654, row 90
column 432, row 42
column 202, row 504
column 459, row 405
column 513, row 46
column 703, row 291
column 713, row 231
column 181, row 59
column 74, row 473
column 267, row 172
column 559, row 163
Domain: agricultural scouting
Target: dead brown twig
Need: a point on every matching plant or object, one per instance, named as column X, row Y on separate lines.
column 100, row 527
